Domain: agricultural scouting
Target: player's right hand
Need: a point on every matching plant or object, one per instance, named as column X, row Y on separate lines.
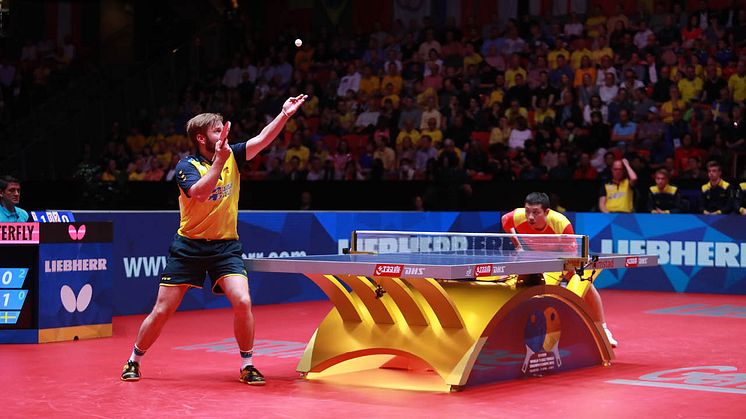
column 222, row 149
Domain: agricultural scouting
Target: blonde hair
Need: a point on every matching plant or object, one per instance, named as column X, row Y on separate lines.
column 200, row 124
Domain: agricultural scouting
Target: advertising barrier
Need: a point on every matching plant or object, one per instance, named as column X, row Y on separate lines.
column 141, row 241
column 697, row 253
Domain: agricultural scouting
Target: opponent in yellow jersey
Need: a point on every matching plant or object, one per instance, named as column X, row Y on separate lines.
column 207, row 239
column 555, row 223
column 537, row 218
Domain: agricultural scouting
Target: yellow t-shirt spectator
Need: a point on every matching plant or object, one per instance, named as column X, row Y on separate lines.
column 436, row 135
column 667, row 110
column 540, row 116
column 577, row 55
column 302, row 152
column 598, row 54
column 395, row 81
column 510, row 76
column 690, row 89
column 499, row 136
column 513, row 115
column 552, row 57
column 413, row 135
column 472, row 59
column 591, row 24
column 737, row 85
column 581, row 72
column 370, row 84
column 394, row 100
column 496, row 96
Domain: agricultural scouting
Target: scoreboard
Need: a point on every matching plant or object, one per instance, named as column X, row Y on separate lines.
column 55, row 280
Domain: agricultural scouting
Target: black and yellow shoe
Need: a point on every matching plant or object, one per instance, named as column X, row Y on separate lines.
column 251, row 376
column 131, row 371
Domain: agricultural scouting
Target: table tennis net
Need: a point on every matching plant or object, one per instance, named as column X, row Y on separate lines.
column 559, row 245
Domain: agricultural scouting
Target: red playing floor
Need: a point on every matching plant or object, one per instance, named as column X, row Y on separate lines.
column 193, row 369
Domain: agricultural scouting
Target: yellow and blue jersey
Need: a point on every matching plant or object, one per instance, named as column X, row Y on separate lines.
column 619, row 198
column 718, row 198
column 668, row 199
column 217, row 217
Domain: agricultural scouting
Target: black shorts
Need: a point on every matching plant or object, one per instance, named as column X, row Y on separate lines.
column 189, row 259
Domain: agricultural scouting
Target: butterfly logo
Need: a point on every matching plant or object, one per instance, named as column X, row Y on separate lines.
column 79, row 302
column 76, row 234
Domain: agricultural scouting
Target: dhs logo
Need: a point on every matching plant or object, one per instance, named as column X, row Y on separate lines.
column 388, row 270
column 482, row 270
column 414, row 270
column 631, row 262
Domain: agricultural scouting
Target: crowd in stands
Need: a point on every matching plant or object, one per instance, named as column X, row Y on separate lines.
column 30, row 73
column 560, row 98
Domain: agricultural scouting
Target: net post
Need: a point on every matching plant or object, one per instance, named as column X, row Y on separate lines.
column 353, row 245
column 585, row 246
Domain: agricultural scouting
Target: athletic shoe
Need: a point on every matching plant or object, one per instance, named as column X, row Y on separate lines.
column 131, row 371
column 251, row 376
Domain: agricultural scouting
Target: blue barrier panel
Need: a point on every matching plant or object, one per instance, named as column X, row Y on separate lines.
column 697, row 253
column 141, row 241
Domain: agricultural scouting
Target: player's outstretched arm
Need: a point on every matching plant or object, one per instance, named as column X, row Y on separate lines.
column 270, row 132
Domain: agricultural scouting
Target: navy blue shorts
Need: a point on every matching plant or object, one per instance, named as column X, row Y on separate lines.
column 190, row 259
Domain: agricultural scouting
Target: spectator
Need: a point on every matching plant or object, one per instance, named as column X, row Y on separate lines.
column 624, row 131
column 651, row 131
column 737, row 83
column 618, row 194
column 432, row 131
column 584, row 170
column 425, row 152
column 350, row 82
column 563, row 171
column 693, row 170
column 316, row 169
column 520, row 134
column 431, row 112
column 111, row 173
column 739, row 201
column 501, row 133
column 10, row 197
column 385, row 154
column 367, row 120
column 595, row 105
column 663, row 197
column 297, row 151
column 716, row 193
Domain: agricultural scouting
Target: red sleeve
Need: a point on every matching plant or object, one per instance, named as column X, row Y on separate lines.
column 507, row 221
column 568, row 229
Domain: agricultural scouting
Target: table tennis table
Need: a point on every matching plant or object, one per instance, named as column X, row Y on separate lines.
column 453, row 303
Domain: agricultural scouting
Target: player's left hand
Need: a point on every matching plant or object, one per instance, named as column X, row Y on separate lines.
column 292, row 105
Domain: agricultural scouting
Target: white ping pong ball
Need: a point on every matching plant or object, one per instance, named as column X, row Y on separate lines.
column 298, row 42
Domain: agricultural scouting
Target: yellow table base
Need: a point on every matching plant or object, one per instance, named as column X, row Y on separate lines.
column 424, row 325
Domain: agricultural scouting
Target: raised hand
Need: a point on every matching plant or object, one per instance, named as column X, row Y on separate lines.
column 222, row 150
column 292, row 105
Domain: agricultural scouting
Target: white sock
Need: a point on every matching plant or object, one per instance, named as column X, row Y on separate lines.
column 136, row 354
column 246, row 358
